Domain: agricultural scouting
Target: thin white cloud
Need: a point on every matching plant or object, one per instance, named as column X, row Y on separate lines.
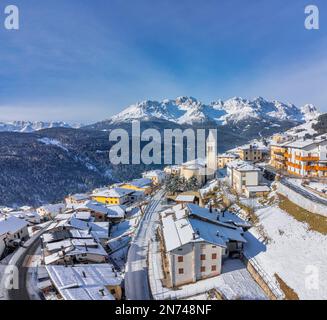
column 300, row 83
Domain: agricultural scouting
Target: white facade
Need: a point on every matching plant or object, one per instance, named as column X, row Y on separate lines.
column 195, row 261
column 241, row 175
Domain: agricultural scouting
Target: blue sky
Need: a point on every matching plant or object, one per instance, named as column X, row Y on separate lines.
column 85, row 60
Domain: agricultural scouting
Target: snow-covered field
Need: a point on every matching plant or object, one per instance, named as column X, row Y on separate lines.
column 53, row 142
column 297, row 255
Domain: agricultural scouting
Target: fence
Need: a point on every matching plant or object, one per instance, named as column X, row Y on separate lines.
column 271, row 284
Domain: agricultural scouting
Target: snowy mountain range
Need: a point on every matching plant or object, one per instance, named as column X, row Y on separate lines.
column 188, row 110
column 31, row 126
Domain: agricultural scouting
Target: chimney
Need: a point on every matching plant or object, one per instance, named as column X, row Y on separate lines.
column 210, row 208
column 102, row 292
column 84, row 274
column 194, row 235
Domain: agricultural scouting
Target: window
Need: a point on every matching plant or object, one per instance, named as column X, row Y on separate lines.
column 214, row 246
column 180, row 259
column 202, row 257
column 213, row 268
column 203, row 269
column 113, row 291
column 214, row 256
column 181, row 271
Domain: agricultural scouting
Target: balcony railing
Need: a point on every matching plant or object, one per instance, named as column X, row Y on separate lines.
column 294, row 165
column 308, row 168
column 321, row 168
column 307, row 158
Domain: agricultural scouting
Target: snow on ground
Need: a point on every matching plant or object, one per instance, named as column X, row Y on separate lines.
column 53, row 142
column 303, row 129
column 208, row 187
column 318, row 186
column 235, row 282
column 294, row 253
column 298, row 183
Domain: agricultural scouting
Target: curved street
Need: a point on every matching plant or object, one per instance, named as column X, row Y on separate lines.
column 307, row 194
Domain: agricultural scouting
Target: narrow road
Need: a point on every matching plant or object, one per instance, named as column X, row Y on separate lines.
column 24, row 271
column 307, row 194
column 136, row 278
column 27, row 290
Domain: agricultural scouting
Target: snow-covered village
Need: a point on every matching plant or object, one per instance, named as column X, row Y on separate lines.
column 163, row 158
column 255, row 229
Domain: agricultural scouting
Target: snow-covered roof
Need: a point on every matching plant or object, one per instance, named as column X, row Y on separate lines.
column 83, row 215
column 83, row 225
column 25, row 208
column 80, row 196
column 195, row 164
column 74, row 251
column 84, row 282
column 209, row 231
column 113, row 193
column 303, row 143
column 140, row 183
column 180, row 229
column 226, row 219
column 185, row 198
column 153, row 173
column 55, row 246
column 27, row 215
column 12, row 225
column 52, row 208
column 66, row 234
column 258, row 188
column 63, row 216
column 251, row 146
column 241, row 165
column 116, row 211
column 6, row 209
column 92, row 206
column 228, row 155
